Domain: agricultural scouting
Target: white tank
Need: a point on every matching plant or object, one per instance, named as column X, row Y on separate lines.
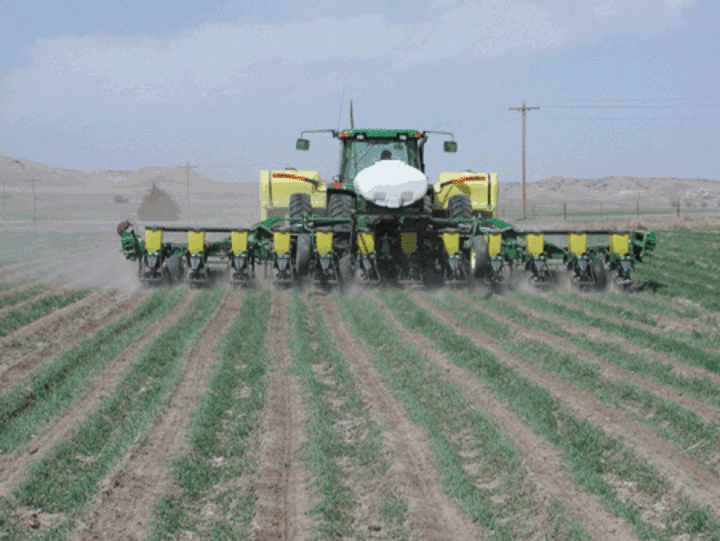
column 391, row 184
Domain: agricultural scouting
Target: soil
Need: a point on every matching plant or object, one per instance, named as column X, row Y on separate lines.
column 123, row 506
column 431, row 513
column 687, row 475
column 13, row 465
column 282, row 482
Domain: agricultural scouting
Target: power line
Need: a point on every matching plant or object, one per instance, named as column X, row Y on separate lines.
column 523, row 110
column 678, row 106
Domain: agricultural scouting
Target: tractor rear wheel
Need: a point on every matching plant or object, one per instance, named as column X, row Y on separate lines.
column 460, row 207
column 341, row 205
column 299, row 205
column 479, row 259
column 303, row 251
column 599, row 274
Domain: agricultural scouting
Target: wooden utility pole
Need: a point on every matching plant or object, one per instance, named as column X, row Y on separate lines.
column 32, row 182
column 187, row 168
column 523, row 110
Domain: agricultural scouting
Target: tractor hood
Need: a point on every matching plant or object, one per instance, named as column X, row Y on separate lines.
column 391, row 184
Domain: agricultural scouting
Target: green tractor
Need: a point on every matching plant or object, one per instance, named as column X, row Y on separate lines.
column 381, row 220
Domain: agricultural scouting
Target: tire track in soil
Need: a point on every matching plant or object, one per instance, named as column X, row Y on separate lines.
column 123, row 506
column 49, row 319
column 687, row 476
column 607, row 370
column 431, row 513
column 282, row 510
column 543, row 460
column 62, row 335
column 593, row 333
column 14, row 465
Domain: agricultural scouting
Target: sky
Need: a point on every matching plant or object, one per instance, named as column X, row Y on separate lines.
column 625, row 87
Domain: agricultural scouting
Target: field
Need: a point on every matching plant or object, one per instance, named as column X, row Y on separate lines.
column 277, row 414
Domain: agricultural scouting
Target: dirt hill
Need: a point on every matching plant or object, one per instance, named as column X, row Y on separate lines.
column 651, row 191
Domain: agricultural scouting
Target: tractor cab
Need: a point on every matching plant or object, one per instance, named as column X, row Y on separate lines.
column 364, row 148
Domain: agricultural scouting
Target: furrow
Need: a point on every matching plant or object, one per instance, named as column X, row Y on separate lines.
column 14, row 465
column 431, row 513
column 689, row 478
column 283, row 495
column 123, row 505
column 608, row 371
column 681, row 369
column 542, row 460
column 62, row 335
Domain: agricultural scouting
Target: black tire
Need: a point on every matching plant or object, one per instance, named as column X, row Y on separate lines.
column 479, row 258
column 299, row 205
column 174, row 267
column 459, row 207
column 599, row 274
column 303, row 252
column 341, row 205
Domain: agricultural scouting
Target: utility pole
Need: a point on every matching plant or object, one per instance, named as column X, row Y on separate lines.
column 523, row 110
column 4, row 197
column 187, row 168
column 32, row 182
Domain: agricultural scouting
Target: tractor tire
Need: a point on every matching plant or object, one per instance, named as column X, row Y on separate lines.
column 459, row 207
column 599, row 274
column 340, row 205
column 174, row 267
column 479, row 258
column 299, row 205
column 303, row 253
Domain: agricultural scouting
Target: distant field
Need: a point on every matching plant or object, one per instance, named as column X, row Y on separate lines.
column 135, row 413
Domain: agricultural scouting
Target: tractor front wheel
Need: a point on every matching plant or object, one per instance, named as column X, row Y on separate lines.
column 479, row 259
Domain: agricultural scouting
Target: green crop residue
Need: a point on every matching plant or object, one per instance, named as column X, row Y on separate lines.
column 679, row 424
column 28, row 313
column 469, row 448
column 615, row 354
column 62, row 483
column 674, row 347
column 52, row 387
column 15, row 297
column 222, row 436
column 592, row 458
column 343, row 443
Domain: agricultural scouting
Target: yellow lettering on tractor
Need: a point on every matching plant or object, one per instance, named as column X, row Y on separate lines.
column 366, row 242
column 577, row 243
column 535, row 243
column 619, row 243
column 276, row 187
column 153, row 240
column 323, row 242
column 481, row 188
column 238, row 241
column 408, row 242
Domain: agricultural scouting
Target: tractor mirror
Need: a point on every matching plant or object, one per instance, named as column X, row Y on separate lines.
column 302, row 144
column 450, row 146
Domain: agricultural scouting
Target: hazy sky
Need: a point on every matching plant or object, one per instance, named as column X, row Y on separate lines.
column 625, row 87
